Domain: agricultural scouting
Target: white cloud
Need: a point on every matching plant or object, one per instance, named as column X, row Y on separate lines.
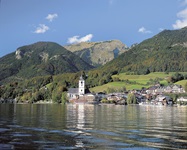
column 160, row 29
column 182, row 15
column 41, row 29
column 143, row 30
column 51, row 17
column 76, row 39
column 180, row 23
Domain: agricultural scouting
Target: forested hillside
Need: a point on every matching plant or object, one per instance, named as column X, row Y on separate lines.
column 39, row 59
column 166, row 51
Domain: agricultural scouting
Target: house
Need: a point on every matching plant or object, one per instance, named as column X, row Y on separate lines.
column 177, row 89
column 73, row 93
column 151, row 90
column 163, row 100
column 168, row 89
column 100, row 95
column 174, row 89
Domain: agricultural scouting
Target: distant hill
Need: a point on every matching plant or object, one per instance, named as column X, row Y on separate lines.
column 166, row 51
column 42, row 58
column 98, row 53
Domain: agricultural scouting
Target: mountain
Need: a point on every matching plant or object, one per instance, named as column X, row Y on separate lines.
column 166, row 51
column 38, row 59
column 98, row 53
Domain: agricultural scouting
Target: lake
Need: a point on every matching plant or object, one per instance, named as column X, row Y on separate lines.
column 110, row 127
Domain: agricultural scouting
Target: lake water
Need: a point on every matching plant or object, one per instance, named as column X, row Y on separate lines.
column 110, row 127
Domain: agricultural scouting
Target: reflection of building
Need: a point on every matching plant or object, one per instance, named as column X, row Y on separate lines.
column 80, row 94
column 81, row 117
column 78, row 119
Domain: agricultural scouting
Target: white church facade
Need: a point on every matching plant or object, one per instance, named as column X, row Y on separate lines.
column 74, row 93
column 79, row 95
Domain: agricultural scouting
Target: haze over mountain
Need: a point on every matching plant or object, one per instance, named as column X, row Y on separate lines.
column 38, row 59
column 98, row 53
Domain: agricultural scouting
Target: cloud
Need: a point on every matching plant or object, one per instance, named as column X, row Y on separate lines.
column 144, row 30
column 76, row 39
column 51, row 17
column 160, row 29
column 41, row 29
column 182, row 15
column 180, row 23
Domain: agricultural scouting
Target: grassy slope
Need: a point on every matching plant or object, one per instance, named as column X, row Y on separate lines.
column 183, row 82
column 140, row 80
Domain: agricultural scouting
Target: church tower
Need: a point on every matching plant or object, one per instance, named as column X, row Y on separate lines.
column 81, row 86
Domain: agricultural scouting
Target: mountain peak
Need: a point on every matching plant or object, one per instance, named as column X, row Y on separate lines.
column 98, row 53
column 38, row 59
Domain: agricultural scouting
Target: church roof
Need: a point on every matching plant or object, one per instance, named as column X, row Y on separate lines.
column 73, row 90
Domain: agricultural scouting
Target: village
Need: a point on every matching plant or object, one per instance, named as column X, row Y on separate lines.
column 154, row 95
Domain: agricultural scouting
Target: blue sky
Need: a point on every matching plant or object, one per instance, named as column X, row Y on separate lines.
column 24, row 22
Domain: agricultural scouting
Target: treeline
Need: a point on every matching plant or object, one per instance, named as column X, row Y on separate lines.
column 51, row 88
column 35, row 89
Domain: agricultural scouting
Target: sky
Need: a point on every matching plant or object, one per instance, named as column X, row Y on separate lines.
column 24, row 22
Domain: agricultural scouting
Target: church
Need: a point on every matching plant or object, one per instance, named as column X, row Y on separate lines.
column 80, row 94
column 74, row 93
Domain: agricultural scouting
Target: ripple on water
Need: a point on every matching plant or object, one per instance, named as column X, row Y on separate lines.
column 139, row 148
column 36, row 129
column 19, row 134
column 153, row 140
column 6, row 146
column 4, row 130
column 14, row 126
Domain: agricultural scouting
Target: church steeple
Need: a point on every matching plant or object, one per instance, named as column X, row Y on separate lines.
column 81, row 86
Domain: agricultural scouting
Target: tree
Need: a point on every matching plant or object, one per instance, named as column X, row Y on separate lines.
column 131, row 98
column 110, row 90
column 64, row 98
column 177, row 77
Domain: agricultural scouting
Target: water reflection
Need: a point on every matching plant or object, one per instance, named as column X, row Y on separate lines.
column 80, row 123
column 92, row 127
